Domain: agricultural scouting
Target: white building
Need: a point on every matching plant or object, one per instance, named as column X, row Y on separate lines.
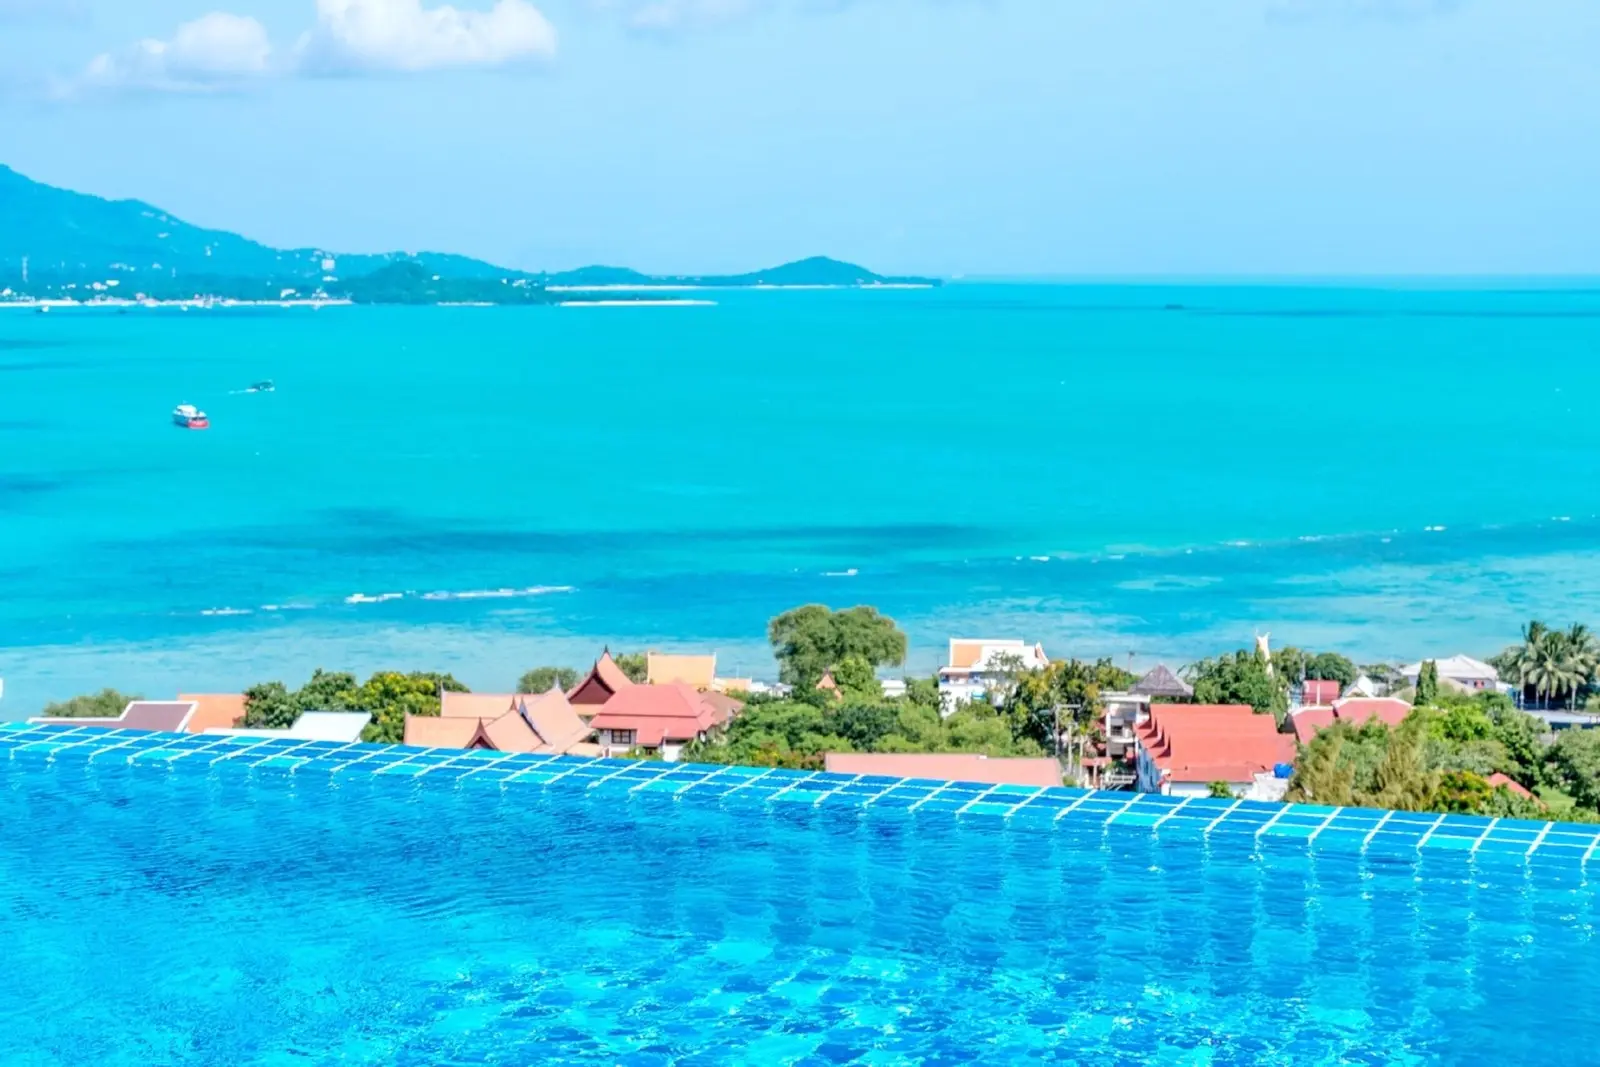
column 1467, row 672
column 342, row 726
column 976, row 665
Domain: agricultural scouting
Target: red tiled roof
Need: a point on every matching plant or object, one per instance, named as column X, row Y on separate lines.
column 1212, row 742
column 657, row 713
column 954, row 767
column 1320, row 691
column 1307, row 721
column 1391, row 710
column 1497, row 780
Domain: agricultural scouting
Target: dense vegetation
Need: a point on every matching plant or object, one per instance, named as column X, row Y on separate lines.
column 1442, row 757
column 388, row 695
column 1248, row 677
column 106, row 704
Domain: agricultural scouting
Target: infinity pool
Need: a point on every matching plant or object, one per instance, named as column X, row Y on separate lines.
column 173, row 900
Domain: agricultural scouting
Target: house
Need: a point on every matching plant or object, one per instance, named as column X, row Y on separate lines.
column 1318, row 692
column 733, row 685
column 342, row 726
column 505, row 722
column 1182, row 748
column 656, row 719
column 696, row 672
column 894, row 688
column 604, row 680
column 975, row 665
column 1307, row 721
column 952, row 767
column 170, row 715
column 1473, row 675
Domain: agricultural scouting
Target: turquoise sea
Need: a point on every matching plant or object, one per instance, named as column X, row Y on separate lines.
column 1154, row 471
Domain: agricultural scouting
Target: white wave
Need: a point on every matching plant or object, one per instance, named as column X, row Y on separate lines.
column 1040, row 559
column 497, row 594
column 851, row 573
column 1433, row 529
column 226, row 611
column 363, row 598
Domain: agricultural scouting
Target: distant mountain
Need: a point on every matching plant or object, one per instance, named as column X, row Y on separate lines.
column 55, row 242
column 818, row 270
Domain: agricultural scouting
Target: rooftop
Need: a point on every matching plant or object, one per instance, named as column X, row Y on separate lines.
column 658, row 713
column 342, row 726
column 171, row 715
column 696, row 671
column 1158, row 681
column 1212, row 742
column 1307, row 721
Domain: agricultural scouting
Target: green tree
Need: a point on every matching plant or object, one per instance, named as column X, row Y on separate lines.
column 270, row 706
column 865, row 725
column 390, row 696
column 328, row 691
column 1427, row 684
column 106, row 704
column 856, row 678
column 1220, row 790
column 1462, row 793
column 543, row 679
column 1333, row 667
column 633, row 664
column 1575, row 766
column 808, row 641
column 1240, row 678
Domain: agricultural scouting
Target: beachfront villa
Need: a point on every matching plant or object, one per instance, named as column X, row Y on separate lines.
column 1471, row 675
column 1181, row 749
column 977, row 664
column 658, row 720
column 504, row 722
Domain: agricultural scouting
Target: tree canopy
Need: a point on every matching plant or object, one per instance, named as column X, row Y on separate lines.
column 106, row 704
column 1240, row 678
column 809, row 641
column 543, row 679
column 388, row 695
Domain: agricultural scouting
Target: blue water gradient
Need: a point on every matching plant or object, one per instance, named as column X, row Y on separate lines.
column 1110, row 469
column 209, row 913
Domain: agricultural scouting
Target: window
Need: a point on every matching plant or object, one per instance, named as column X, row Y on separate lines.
column 623, row 737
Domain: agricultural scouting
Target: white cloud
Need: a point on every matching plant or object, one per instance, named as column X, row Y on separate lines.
column 215, row 51
column 353, row 36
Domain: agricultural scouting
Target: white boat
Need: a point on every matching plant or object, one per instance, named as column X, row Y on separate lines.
column 190, row 417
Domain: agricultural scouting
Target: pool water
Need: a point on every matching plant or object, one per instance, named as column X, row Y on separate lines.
column 284, row 908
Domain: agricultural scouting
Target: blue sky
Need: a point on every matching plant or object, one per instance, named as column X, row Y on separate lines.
column 1098, row 137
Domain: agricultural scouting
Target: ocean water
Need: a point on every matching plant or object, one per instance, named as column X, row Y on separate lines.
column 160, row 910
column 1387, row 471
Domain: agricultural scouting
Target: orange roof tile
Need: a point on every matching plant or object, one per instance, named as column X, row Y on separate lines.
column 214, row 710
column 1498, row 780
column 437, row 731
column 514, row 723
column 696, row 671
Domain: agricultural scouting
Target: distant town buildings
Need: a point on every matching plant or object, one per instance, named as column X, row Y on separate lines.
column 976, row 665
column 1472, row 675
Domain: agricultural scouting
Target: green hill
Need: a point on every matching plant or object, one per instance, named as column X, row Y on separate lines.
column 54, row 242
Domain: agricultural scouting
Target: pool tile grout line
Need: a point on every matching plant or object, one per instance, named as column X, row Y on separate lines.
column 1320, row 829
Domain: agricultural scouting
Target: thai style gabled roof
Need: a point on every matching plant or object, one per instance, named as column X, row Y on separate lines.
column 1158, row 681
column 604, row 680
